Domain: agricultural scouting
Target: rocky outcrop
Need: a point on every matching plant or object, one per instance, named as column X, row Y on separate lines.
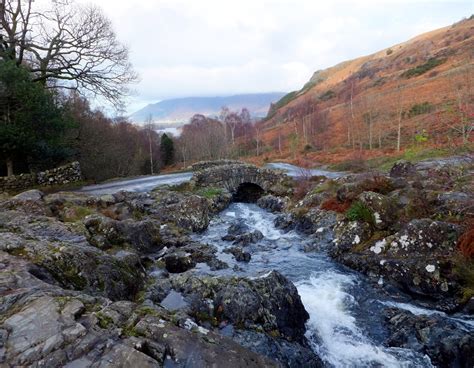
column 418, row 258
column 269, row 302
column 44, row 325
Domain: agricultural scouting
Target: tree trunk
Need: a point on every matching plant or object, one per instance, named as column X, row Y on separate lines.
column 9, row 167
column 151, row 153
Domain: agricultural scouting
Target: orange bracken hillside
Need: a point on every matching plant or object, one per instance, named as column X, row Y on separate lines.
column 414, row 93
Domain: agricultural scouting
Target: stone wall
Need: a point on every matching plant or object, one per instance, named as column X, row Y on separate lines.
column 231, row 177
column 202, row 165
column 61, row 175
column 16, row 183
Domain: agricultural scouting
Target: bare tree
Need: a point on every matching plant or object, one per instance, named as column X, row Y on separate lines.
column 150, row 135
column 399, row 115
column 462, row 120
column 67, row 45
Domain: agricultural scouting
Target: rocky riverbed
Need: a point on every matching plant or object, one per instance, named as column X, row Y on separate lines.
column 184, row 277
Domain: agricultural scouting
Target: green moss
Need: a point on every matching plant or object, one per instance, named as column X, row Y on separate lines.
column 137, row 215
column 359, row 212
column 103, row 320
column 209, row 192
column 130, row 331
column 464, row 270
column 18, row 252
column 329, row 186
column 76, row 213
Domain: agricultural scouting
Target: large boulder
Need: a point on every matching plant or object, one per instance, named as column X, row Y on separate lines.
column 441, row 339
column 104, row 233
column 272, row 203
column 419, row 259
column 188, row 211
column 382, row 207
column 269, row 302
column 403, row 168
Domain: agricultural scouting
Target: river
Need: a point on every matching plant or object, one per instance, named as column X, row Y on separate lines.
column 346, row 325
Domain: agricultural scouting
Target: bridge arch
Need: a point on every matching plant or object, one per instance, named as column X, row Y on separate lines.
column 243, row 180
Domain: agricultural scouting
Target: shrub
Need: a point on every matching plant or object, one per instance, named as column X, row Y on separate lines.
column 389, row 52
column 302, row 188
column 378, row 184
column 423, row 68
column 419, row 109
column 359, row 212
column 327, row 95
column 466, row 242
column 332, row 204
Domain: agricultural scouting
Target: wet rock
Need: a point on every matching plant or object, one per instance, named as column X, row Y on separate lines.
column 239, row 254
column 442, row 340
column 270, row 301
column 311, row 221
column 289, row 354
column 178, row 262
column 195, row 346
column 272, row 203
column 285, row 222
column 240, row 234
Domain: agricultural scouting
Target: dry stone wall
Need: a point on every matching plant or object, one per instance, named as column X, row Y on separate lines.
column 59, row 176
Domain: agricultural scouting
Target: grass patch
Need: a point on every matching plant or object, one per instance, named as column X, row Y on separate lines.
column 415, row 155
column 209, row 193
column 103, row 320
column 78, row 213
column 464, row 270
column 359, row 212
column 329, row 185
column 423, row 68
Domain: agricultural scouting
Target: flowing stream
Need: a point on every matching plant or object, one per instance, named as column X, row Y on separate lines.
column 346, row 324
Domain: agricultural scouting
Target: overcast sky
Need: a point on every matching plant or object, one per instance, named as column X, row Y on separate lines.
column 185, row 48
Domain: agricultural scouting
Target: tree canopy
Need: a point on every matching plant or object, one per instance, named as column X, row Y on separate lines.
column 66, row 45
column 32, row 123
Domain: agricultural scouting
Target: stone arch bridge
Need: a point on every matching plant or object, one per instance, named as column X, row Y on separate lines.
column 243, row 181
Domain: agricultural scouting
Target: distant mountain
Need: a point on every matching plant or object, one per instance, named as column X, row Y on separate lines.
column 181, row 109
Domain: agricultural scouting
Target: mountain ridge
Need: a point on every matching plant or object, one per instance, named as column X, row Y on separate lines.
column 181, row 109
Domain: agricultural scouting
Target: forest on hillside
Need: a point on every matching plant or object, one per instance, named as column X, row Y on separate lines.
column 53, row 62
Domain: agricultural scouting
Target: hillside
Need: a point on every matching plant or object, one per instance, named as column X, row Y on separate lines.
column 181, row 109
column 417, row 92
